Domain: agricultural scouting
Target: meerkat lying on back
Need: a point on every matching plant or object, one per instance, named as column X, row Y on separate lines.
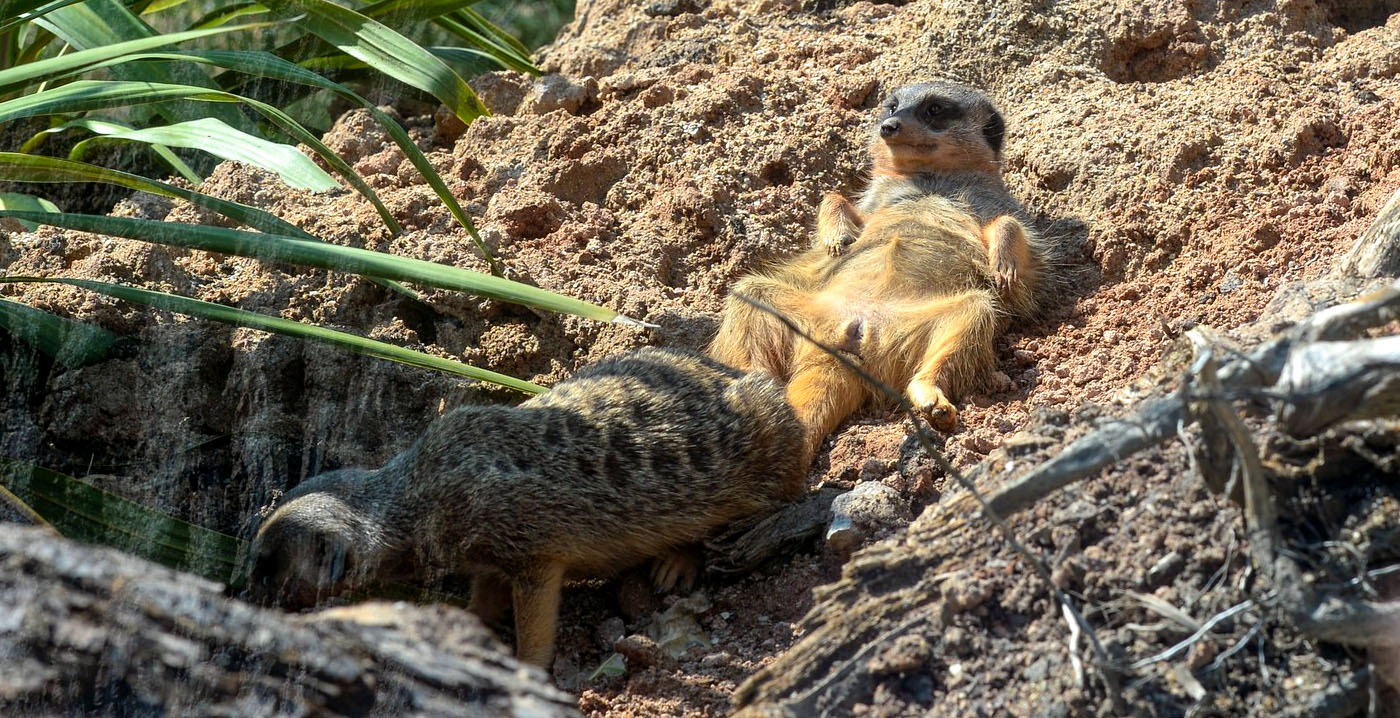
column 627, row 460
column 917, row 279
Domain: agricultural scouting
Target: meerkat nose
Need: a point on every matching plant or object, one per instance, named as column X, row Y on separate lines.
column 890, row 127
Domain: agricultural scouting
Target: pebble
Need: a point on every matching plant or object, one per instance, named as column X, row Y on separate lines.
column 868, row 510
column 715, row 660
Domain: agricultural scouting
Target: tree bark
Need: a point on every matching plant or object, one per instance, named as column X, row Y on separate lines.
column 93, row 631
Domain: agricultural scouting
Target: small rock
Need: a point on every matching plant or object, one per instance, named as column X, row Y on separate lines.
column 1111, row 337
column 657, row 95
column 1038, row 671
column 672, row 8
column 964, row 593
column 641, row 652
column 557, row 92
column 1202, row 652
column 870, row 509
column 715, row 660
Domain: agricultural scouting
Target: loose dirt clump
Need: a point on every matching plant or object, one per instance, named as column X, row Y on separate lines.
column 1201, row 155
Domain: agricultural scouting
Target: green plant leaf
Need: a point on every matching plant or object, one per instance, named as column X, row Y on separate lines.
column 385, row 50
column 26, row 203
column 278, row 325
column 273, row 248
column 263, row 64
column 16, row 167
column 83, row 512
column 96, row 23
column 213, row 136
column 506, row 56
column 71, row 343
column 100, row 127
column 15, row 12
column 228, row 13
column 41, row 70
column 88, row 95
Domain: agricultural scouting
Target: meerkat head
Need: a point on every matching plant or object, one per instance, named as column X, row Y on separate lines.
column 325, row 539
column 937, row 127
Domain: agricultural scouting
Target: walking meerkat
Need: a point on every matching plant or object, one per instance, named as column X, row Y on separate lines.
column 916, row 279
column 628, row 460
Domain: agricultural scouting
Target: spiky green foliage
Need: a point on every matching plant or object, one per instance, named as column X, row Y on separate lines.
column 193, row 81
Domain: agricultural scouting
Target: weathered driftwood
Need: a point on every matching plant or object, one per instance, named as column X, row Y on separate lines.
column 1157, row 420
column 1375, row 254
column 743, row 548
column 93, row 631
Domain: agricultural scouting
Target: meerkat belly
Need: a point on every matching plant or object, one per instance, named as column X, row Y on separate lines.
column 900, row 263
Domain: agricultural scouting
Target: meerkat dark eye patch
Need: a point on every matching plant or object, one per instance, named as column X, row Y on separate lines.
column 938, row 113
column 995, row 131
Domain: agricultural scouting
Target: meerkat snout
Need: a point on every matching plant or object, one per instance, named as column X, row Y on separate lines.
column 889, row 128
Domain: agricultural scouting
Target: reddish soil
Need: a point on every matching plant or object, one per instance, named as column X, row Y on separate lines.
column 1204, row 154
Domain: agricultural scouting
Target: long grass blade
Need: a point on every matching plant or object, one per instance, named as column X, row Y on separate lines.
column 278, row 325
column 273, row 248
column 26, row 203
column 479, row 22
column 15, row 12
column 213, row 136
column 228, row 13
column 505, row 56
column 83, row 512
column 384, row 49
column 49, row 68
column 263, row 64
column 88, row 95
column 16, row 167
column 96, row 23
column 71, row 343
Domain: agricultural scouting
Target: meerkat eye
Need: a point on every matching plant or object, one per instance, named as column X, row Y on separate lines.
column 891, row 105
column 932, row 110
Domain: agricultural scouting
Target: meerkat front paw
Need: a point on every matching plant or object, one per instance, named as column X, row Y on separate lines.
column 1007, row 272
column 834, row 240
column 930, row 401
column 838, row 223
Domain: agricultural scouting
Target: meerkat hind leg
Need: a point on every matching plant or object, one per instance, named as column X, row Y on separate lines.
column 838, row 223
column 750, row 338
column 1007, row 250
column 959, row 349
column 823, row 392
column 677, row 569
column 535, row 593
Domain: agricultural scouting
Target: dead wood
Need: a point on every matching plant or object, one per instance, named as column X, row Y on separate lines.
column 88, row 628
column 1376, row 253
column 743, row 548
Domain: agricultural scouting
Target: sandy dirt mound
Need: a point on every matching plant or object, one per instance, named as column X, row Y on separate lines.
column 1202, row 154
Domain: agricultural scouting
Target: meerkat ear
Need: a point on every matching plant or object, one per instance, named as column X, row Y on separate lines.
column 995, row 131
